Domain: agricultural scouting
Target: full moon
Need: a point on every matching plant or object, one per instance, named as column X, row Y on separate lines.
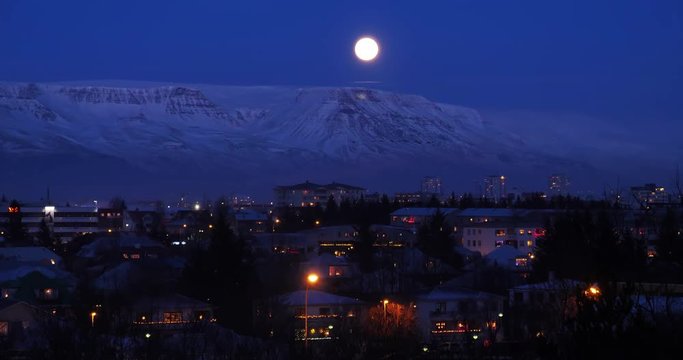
column 366, row 49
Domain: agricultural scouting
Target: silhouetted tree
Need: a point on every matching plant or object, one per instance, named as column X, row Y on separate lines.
column 223, row 274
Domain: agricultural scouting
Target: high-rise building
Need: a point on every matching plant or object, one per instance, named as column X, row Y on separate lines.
column 494, row 187
column 650, row 194
column 431, row 185
column 558, row 184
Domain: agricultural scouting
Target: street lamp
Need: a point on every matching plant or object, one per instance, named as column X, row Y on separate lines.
column 311, row 279
column 92, row 318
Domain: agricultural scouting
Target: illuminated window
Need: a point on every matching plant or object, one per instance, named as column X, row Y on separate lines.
column 4, row 328
column 173, row 317
column 440, row 325
column 529, row 243
column 335, row 271
column 200, row 315
column 521, row 262
column 499, row 243
column 135, row 256
column 521, row 231
column 500, row 232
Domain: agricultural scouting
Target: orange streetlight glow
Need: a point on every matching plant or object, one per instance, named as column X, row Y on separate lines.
column 312, row 278
column 92, row 318
column 592, row 292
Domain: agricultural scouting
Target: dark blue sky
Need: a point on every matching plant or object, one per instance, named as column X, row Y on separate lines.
column 621, row 60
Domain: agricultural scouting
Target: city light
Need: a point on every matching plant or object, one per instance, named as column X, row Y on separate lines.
column 312, row 278
column 592, row 292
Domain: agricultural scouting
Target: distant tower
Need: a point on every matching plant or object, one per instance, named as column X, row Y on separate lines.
column 431, row 185
column 494, row 187
column 558, row 184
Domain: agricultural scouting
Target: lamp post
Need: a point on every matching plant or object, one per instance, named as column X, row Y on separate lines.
column 92, row 318
column 311, row 279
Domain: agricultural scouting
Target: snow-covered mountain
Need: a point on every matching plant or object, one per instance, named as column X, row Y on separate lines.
column 174, row 137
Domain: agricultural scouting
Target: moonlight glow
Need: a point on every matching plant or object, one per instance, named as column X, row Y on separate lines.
column 366, row 49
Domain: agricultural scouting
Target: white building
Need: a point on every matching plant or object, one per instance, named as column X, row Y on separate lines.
column 484, row 230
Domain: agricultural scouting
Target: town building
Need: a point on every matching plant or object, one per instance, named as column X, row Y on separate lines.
column 431, row 186
column 649, row 194
column 558, row 184
column 406, row 198
column 413, row 218
column 65, row 222
column 494, row 187
column 456, row 315
column 311, row 194
column 484, row 230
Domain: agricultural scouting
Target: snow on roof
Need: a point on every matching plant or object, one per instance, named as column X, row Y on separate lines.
column 250, row 215
column 29, row 254
column 504, row 256
column 493, row 212
column 446, row 293
column 421, row 211
column 659, row 304
column 552, row 285
column 115, row 278
column 315, row 297
column 103, row 244
column 328, row 259
column 11, row 270
column 303, row 186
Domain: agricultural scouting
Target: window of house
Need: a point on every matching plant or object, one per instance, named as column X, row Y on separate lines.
column 479, row 231
column 48, row 294
column 173, row 317
column 521, row 262
column 479, row 243
column 440, row 325
column 529, row 243
column 499, row 243
column 500, row 232
column 4, row 328
column 511, row 243
column 335, row 271
column 200, row 315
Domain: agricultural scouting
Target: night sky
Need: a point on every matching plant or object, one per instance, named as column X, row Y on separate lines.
column 618, row 60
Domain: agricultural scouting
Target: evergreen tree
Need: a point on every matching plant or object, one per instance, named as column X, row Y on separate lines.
column 434, row 239
column 669, row 242
column 223, row 274
column 331, row 211
column 45, row 237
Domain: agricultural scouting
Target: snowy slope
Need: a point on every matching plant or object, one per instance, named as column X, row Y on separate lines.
column 169, row 131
